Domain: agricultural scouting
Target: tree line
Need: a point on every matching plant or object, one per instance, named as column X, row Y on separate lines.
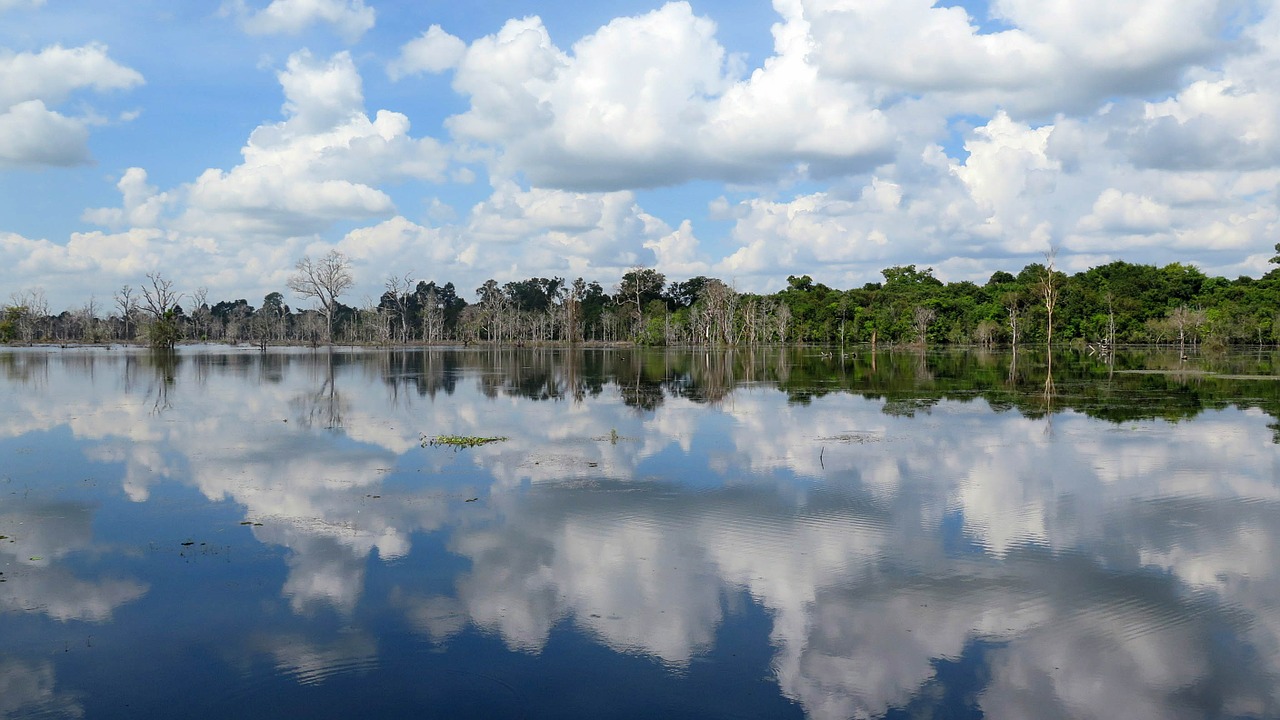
column 1116, row 303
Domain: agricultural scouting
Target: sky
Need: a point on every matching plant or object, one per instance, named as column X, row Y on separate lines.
column 218, row 143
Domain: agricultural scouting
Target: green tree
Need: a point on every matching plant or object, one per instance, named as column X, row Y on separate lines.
column 639, row 287
column 161, row 302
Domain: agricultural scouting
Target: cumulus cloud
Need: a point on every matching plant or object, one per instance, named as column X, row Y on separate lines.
column 562, row 231
column 349, row 18
column 31, row 132
column 649, row 100
column 401, row 243
column 143, row 203
column 1219, row 124
column 677, row 254
column 1127, row 213
column 54, row 73
column 433, row 52
column 1055, row 56
column 321, row 164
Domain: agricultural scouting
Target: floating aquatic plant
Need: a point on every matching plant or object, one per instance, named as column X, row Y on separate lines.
column 459, row 441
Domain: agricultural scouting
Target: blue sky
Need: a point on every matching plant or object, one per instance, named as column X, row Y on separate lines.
column 749, row 140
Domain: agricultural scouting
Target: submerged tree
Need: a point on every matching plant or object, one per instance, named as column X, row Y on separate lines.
column 128, row 306
column 1049, row 293
column 921, row 317
column 161, row 302
column 323, row 280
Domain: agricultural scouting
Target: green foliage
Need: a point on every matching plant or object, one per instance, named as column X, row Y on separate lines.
column 9, row 323
column 164, row 333
column 459, row 441
column 1118, row 302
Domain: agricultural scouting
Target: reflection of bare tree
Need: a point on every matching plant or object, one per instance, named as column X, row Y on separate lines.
column 922, row 372
column 25, row 367
column 325, row 407
column 164, row 363
column 572, row 368
column 711, row 376
column 1049, row 394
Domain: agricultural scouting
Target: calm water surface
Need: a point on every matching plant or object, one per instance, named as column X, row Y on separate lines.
column 662, row 534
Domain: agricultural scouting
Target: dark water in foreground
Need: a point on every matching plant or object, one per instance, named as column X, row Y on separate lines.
column 767, row 534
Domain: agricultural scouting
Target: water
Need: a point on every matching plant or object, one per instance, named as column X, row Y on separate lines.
column 780, row 533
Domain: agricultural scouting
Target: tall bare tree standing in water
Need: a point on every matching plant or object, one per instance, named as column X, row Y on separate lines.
column 1049, row 292
column 324, row 280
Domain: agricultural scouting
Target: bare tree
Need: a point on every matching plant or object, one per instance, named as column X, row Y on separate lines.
column 432, row 317
column 782, row 322
column 1013, row 304
column 323, row 280
column 1111, row 321
column 985, row 334
column 128, row 305
column 495, row 307
column 1049, row 293
column 29, row 310
column 200, row 313
column 1184, row 319
column 571, row 297
column 398, row 292
column 159, row 295
column 718, row 303
column 88, row 317
column 921, row 318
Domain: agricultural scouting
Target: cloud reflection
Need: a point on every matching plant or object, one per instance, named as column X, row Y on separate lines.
column 40, row 536
column 30, row 690
column 1100, row 570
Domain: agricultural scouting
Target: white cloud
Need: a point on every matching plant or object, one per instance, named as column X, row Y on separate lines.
column 399, row 243
column 33, row 134
column 319, row 165
column 562, row 232
column 656, row 100
column 677, row 253
column 1056, row 56
column 143, row 203
column 1117, row 211
column 1219, row 124
column 349, row 18
column 54, row 73
column 433, row 52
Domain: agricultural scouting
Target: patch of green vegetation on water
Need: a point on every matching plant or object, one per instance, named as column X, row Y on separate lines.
column 459, row 441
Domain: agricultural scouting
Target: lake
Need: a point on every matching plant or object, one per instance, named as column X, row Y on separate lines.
column 753, row 533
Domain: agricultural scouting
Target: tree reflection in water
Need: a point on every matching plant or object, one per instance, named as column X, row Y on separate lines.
column 891, row 532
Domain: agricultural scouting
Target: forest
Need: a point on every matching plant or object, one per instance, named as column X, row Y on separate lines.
column 1116, row 303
